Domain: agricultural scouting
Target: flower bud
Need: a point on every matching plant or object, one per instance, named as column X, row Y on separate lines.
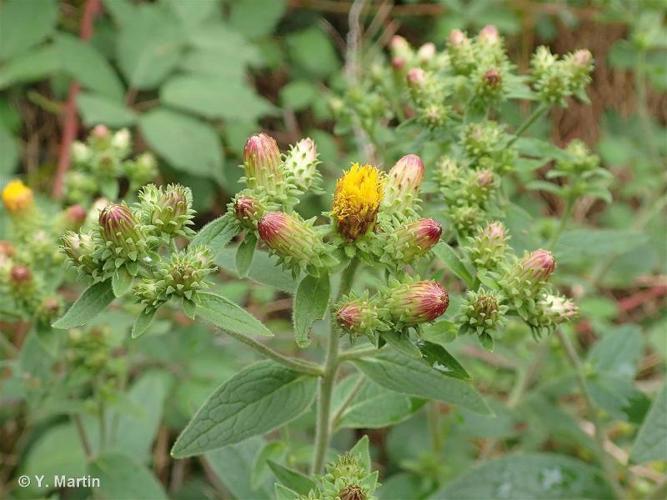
column 74, row 217
column 100, row 132
column 457, row 37
column 415, row 240
column 485, row 178
column 357, row 201
column 426, row 52
column 261, row 160
column 538, row 265
column 358, row 317
column 400, row 47
column 461, row 53
column 117, row 224
column 397, row 63
column 404, row 179
column 81, row 154
column 489, row 35
column 418, row 302
column 80, row 248
column 245, row 208
column 295, row 241
column 559, row 309
column 301, row 165
column 166, row 210
column 352, row 492
column 99, row 138
column 493, row 78
column 481, row 313
column 416, row 78
column 17, row 198
column 49, row 309
column 120, row 141
column 20, row 275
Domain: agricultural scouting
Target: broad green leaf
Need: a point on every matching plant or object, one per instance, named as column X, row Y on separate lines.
column 584, row 244
column 91, row 302
column 227, row 315
column 411, row 376
column 310, row 304
column 245, row 253
column 10, row 152
column 402, row 343
column 202, row 95
column 233, row 465
column 185, row 142
column 291, row 478
column 651, row 441
column 373, row 407
column 96, row 108
column 217, row 233
column 33, row 65
column 312, row 50
column 440, row 359
column 229, row 45
column 24, row 24
column 57, row 451
column 149, row 46
column 256, row 400
column 121, row 282
column 192, row 17
column 143, row 322
column 453, row 262
column 256, row 18
column 618, row 352
column 121, row 477
column 85, row 64
column 298, row 94
column 264, row 269
column 537, row 475
column 136, row 431
column 274, row 450
column 284, row 493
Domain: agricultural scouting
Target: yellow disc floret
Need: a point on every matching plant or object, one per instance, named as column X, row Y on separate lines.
column 357, row 200
column 17, row 197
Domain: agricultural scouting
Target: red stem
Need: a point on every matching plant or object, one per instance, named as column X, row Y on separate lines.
column 70, row 117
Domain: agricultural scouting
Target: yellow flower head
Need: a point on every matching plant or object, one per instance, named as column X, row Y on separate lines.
column 357, row 200
column 17, row 197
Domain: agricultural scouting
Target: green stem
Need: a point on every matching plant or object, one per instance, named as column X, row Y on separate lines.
column 353, row 354
column 85, row 442
column 297, row 365
column 327, row 382
column 564, row 219
column 353, row 392
column 604, row 458
column 539, row 111
column 435, row 426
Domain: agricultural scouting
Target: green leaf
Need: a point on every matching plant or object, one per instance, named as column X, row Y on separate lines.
column 226, row 315
column 411, row 376
column 149, row 46
column 216, row 234
column 313, row 51
column 535, row 475
column 284, row 493
column 256, row 400
column 585, row 244
column 233, row 465
column 185, row 142
column 136, row 431
column 298, row 94
column 202, row 95
column 271, row 451
column 121, row 282
column 375, row 407
column 291, row 478
column 256, row 18
column 402, row 343
column 193, row 17
column 33, row 65
column 121, row 477
column 440, row 359
column 264, row 269
column 96, row 108
column 310, row 304
column 362, row 452
column 651, row 441
column 245, row 253
column 449, row 256
column 143, row 322
column 618, row 352
column 91, row 302
column 85, row 64
column 24, row 24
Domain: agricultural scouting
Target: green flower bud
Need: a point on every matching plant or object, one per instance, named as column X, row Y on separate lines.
column 461, row 53
column 301, row 165
column 141, row 170
column 481, row 313
column 118, row 225
column 121, row 142
column 487, row 249
column 413, row 303
column 358, row 317
column 99, row 138
column 81, row 154
column 262, row 163
column 81, row 250
column 401, row 187
column 167, row 212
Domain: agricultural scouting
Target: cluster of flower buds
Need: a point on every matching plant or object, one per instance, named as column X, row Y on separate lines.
column 428, row 95
column 166, row 211
column 554, row 78
column 403, row 304
column 485, row 145
column 488, row 246
column 482, row 313
column 101, row 161
column 581, row 169
column 405, row 57
column 344, row 479
column 181, row 276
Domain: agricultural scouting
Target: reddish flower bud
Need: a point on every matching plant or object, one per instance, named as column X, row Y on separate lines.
column 495, row 231
column 117, row 224
column 457, row 37
column 493, row 78
column 415, row 303
column 485, row 178
column 415, row 239
column 398, row 63
column 291, row 238
column 100, row 132
column 261, row 159
column 398, row 45
column 583, row 57
column 74, row 217
column 426, row 52
column 359, row 317
column 349, row 316
column 352, row 492
column 416, row 78
column 407, row 174
column 489, row 34
column 20, row 274
column 7, row 249
column 245, row 208
column 539, row 264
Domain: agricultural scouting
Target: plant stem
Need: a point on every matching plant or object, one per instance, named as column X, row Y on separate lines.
column 353, row 392
column 85, row 443
column 604, row 458
column 298, row 365
column 564, row 219
column 539, row 111
column 327, row 382
column 353, row 354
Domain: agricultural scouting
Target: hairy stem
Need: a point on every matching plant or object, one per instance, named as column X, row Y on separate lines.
column 327, row 382
column 539, row 111
column 298, row 365
column 85, row 442
column 605, row 459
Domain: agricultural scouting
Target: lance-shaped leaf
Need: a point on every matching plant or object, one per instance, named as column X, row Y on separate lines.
column 91, row 302
column 228, row 316
column 310, row 304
